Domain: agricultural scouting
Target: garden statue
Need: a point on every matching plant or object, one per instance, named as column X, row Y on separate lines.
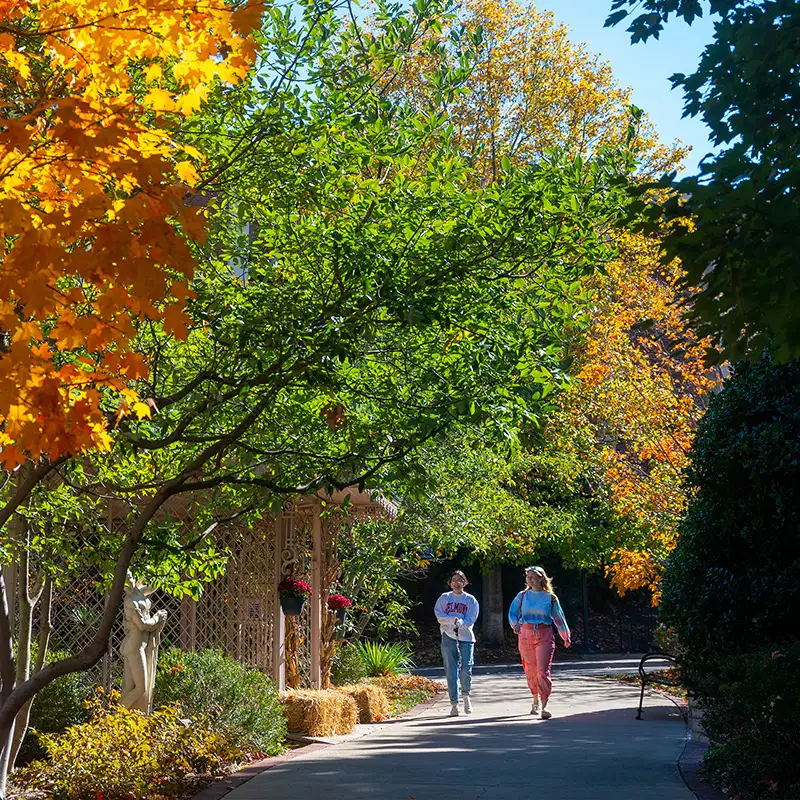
column 140, row 647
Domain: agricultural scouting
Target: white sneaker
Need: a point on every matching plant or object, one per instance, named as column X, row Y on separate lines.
column 535, row 707
column 467, row 704
column 453, row 709
column 546, row 714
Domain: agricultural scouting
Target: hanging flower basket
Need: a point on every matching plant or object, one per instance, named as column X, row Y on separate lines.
column 293, row 594
column 292, row 606
column 339, row 604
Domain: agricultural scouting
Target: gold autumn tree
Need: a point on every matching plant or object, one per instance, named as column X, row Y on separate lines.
column 640, row 384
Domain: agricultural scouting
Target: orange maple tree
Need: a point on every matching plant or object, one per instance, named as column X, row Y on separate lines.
column 93, row 205
column 641, row 388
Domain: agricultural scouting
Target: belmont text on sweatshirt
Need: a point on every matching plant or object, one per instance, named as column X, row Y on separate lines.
column 457, row 614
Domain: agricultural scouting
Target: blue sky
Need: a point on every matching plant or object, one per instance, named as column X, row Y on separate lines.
column 644, row 67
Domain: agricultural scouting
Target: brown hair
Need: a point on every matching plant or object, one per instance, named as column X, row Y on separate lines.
column 460, row 575
column 544, row 578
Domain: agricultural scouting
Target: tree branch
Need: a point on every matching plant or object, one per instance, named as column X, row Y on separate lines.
column 27, row 483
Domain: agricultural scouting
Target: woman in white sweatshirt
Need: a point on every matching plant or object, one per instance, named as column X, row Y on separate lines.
column 532, row 615
column 457, row 611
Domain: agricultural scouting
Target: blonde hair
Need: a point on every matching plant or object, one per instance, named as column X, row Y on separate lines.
column 544, row 579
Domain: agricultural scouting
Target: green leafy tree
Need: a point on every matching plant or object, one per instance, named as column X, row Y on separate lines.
column 734, row 224
column 357, row 296
column 610, row 468
column 548, row 496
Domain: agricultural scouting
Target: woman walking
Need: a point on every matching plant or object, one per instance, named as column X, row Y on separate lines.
column 532, row 614
column 457, row 611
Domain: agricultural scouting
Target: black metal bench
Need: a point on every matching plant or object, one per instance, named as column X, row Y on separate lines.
column 650, row 677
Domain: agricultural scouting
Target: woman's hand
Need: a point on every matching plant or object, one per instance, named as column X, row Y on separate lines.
column 567, row 641
column 516, row 627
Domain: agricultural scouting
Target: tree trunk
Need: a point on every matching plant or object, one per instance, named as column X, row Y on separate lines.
column 23, row 659
column 7, row 679
column 493, row 610
column 45, row 629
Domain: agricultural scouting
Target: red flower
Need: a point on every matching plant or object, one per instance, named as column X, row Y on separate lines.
column 338, row 601
column 291, row 587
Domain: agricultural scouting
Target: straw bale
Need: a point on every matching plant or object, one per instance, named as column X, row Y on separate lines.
column 319, row 712
column 372, row 701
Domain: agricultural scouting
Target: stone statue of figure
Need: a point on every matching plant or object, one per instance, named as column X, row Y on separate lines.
column 140, row 646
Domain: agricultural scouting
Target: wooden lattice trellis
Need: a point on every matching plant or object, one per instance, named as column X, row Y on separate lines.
column 236, row 612
column 240, row 612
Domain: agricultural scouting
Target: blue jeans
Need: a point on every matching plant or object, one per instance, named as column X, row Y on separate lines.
column 457, row 658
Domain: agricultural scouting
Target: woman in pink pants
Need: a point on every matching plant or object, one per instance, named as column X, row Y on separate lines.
column 532, row 615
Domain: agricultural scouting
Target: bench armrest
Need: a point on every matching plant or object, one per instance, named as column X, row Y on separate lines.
column 656, row 655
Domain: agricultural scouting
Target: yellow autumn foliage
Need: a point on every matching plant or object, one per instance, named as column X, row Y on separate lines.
column 532, row 89
column 92, row 186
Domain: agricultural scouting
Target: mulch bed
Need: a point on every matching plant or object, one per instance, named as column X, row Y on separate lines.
column 671, row 674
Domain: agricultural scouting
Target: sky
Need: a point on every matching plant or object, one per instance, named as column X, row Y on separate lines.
column 644, row 67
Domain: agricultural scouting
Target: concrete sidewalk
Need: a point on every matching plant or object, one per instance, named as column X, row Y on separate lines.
column 592, row 749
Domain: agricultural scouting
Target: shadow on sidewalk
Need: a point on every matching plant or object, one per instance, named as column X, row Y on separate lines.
column 586, row 752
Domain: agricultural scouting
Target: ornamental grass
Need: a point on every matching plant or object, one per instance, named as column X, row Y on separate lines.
column 319, row 712
column 372, row 701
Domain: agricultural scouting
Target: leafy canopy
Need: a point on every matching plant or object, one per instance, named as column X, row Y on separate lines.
column 604, row 479
column 357, row 295
column 735, row 222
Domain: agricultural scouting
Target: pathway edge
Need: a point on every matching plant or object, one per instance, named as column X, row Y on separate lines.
column 218, row 789
column 689, row 768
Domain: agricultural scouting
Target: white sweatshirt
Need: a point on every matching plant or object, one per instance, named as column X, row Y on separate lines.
column 457, row 613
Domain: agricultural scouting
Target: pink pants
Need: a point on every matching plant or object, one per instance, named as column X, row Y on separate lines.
column 536, row 646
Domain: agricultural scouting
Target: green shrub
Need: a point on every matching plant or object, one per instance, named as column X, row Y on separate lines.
column 123, row 755
column 56, row 707
column 753, row 723
column 237, row 701
column 385, row 658
column 666, row 638
column 732, row 586
column 348, row 666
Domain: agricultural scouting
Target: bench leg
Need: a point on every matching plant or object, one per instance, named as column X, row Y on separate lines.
column 641, row 701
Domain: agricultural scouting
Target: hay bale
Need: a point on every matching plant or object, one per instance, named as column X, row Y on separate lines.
column 372, row 701
column 319, row 712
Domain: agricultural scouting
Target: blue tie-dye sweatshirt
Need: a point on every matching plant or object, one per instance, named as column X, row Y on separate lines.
column 537, row 608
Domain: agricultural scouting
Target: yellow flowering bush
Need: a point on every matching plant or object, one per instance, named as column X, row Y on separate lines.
column 124, row 755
